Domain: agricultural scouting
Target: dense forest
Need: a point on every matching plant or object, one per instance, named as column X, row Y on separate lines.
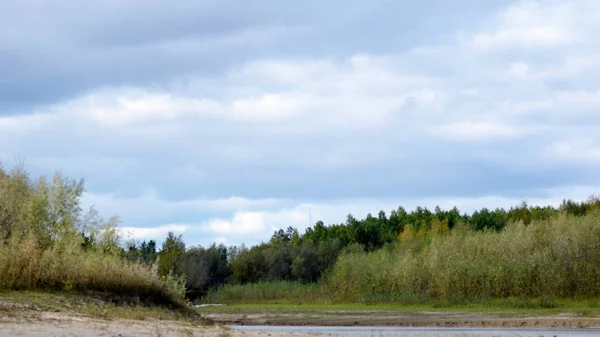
column 47, row 241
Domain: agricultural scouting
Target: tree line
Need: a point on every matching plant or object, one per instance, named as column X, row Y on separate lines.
column 291, row 256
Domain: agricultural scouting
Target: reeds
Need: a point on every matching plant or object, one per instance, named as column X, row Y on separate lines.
column 555, row 258
column 42, row 245
column 25, row 266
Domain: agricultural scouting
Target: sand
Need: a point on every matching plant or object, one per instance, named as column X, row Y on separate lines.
column 60, row 324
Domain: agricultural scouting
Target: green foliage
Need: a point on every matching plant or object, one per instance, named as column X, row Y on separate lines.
column 144, row 253
column 294, row 292
column 283, row 261
column 286, row 236
column 290, row 256
column 46, row 242
column 546, row 259
column 206, row 268
column 171, row 256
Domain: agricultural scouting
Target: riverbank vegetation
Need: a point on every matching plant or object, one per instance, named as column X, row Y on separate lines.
column 535, row 265
column 48, row 243
column 545, row 259
column 525, row 254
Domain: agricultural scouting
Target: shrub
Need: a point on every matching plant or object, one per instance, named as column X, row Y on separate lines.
column 47, row 243
column 554, row 258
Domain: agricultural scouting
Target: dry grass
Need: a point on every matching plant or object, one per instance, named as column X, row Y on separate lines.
column 42, row 247
column 24, row 265
column 557, row 258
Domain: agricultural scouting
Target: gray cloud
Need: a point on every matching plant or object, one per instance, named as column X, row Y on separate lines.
column 55, row 52
column 378, row 100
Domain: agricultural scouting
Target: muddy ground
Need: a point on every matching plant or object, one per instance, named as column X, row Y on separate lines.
column 407, row 318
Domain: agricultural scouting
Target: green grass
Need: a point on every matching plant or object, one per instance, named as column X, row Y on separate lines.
column 584, row 308
column 292, row 297
column 290, row 292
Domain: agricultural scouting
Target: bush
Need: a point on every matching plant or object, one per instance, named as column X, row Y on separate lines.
column 548, row 259
column 47, row 243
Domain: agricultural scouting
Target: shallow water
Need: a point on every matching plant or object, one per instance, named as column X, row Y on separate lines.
column 425, row 331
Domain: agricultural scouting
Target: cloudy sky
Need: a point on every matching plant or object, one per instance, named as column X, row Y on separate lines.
column 224, row 120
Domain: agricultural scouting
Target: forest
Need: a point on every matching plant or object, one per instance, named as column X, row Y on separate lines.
column 420, row 255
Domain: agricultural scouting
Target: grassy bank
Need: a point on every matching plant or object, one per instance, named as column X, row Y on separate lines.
column 47, row 243
column 26, row 266
column 533, row 306
column 93, row 304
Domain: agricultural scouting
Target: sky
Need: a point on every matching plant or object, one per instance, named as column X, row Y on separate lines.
column 225, row 120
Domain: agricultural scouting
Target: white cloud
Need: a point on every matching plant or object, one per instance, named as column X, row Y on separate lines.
column 578, row 64
column 477, row 131
column 352, row 95
column 362, row 93
column 538, row 24
column 242, row 223
column 286, row 72
column 572, row 151
column 532, row 36
column 269, row 107
column 518, row 69
column 149, row 206
column 579, row 99
column 131, row 108
column 152, row 233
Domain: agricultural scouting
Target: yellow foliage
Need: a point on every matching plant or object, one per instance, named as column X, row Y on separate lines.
column 439, row 228
column 557, row 257
column 408, row 234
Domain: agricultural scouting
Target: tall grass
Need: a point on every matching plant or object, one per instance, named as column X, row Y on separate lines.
column 261, row 292
column 555, row 258
column 42, row 245
column 25, row 266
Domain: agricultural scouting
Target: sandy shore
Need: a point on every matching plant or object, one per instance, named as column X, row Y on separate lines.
column 42, row 324
column 45, row 324
column 24, row 318
column 27, row 320
column 122, row 328
column 48, row 324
